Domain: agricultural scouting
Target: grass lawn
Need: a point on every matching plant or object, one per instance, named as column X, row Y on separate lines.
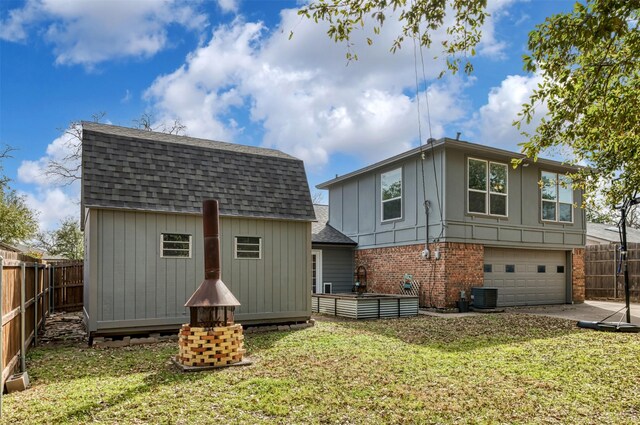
column 503, row 368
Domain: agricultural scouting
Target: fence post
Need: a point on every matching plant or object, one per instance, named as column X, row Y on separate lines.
column 23, row 323
column 35, row 305
column 1, row 337
column 53, row 287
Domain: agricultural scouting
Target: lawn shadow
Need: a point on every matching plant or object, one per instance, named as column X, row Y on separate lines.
column 150, row 384
column 462, row 334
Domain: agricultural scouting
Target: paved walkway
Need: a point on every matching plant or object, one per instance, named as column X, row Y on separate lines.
column 589, row 310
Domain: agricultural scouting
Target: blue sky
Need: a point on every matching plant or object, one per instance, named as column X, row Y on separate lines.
column 228, row 71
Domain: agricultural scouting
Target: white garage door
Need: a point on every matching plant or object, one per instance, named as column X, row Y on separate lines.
column 526, row 277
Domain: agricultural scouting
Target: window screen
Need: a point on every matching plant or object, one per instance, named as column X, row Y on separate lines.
column 248, row 247
column 175, row 245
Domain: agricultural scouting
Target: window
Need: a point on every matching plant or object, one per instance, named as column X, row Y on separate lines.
column 560, row 269
column 557, row 197
column 327, row 287
column 542, row 269
column 248, row 247
column 510, row 268
column 487, row 187
column 488, row 268
column 391, row 186
column 175, row 245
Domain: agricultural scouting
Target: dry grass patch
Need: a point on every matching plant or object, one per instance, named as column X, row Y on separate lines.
column 491, row 369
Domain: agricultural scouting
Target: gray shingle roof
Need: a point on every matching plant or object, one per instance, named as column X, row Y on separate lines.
column 609, row 232
column 321, row 232
column 148, row 171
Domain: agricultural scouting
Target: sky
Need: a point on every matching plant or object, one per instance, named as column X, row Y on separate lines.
column 228, row 70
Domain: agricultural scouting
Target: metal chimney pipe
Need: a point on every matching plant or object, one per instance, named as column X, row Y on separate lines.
column 211, row 229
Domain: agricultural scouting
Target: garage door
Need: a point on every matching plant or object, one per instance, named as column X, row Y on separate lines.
column 526, row 277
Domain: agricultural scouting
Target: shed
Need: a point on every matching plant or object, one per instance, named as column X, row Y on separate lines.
column 142, row 193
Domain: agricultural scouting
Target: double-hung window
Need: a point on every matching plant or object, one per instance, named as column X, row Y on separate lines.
column 391, row 186
column 175, row 245
column 487, row 187
column 556, row 195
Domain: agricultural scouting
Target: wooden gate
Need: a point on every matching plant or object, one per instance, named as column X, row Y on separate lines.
column 67, row 284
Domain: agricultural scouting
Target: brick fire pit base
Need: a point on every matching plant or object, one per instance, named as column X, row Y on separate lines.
column 210, row 347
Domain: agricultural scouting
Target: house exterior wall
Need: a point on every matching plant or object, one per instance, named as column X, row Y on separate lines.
column 355, row 204
column 131, row 287
column 523, row 224
column 337, row 267
column 459, row 268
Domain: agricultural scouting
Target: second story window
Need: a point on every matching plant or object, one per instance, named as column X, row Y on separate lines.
column 556, row 195
column 487, row 187
column 391, row 187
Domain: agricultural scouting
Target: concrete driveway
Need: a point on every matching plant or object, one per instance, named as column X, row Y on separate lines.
column 589, row 310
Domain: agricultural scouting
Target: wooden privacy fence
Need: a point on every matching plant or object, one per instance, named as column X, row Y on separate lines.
column 25, row 302
column 67, row 284
column 29, row 291
column 601, row 269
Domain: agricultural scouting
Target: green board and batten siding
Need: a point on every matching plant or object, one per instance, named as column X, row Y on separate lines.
column 131, row 286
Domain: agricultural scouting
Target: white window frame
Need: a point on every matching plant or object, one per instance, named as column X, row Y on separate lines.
column 324, row 285
column 382, row 201
column 235, row 248
column 318, row 254
column 557, row 200
column 162, row 248
column 487, row 192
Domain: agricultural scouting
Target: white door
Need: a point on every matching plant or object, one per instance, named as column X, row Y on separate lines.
column 526, row 276
column 316, row 271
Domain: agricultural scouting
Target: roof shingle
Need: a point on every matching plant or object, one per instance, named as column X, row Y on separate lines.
column 323, row 233
column 144, row 170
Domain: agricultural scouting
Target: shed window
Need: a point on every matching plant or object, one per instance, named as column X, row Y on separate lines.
column 248, row 247
column 175, row 245
column 487, row 187
column 556, row 194
column 391, row 186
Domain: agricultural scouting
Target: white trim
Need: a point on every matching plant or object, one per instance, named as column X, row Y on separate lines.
column 162, row 248
column 382, row 201
column 487, row 191
column 235, row 248
column 330, row 287
column 318, row 254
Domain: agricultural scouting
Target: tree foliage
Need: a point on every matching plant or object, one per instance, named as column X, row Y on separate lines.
column 17, row 221
column 462, row 20
column 589, row 61
column 67, row 240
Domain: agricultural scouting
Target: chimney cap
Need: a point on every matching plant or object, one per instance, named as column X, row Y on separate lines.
column 212, row 293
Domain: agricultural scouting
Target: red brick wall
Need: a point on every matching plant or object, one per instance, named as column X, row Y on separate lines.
column 578, row 274
column 459, row 268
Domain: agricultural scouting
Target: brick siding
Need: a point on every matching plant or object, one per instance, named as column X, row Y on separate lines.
column 578, row 274
column 459, row 268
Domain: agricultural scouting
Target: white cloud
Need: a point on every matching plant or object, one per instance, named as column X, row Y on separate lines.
column 59, row 150
column 52, row 201
column 90, row 32
column 302, row 92
column 228, row 6
column 53, row 205
column 493, row 121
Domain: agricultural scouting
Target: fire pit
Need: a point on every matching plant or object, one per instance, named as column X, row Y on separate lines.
column 211, row 338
